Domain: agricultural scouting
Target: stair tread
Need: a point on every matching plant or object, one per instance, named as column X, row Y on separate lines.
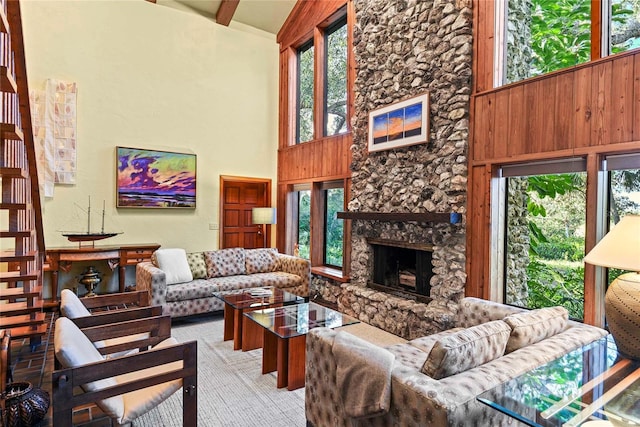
column 8, row 81
column 11, row 131
column 15, row 276
column 9, row 256
column 22, row 320
column 15, row 308
column 15, row 172
column 19, row 292
column 15, row 206
column 17, row 233
column 28, row 331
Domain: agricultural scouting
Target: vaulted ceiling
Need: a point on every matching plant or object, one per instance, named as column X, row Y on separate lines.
column 266, row 15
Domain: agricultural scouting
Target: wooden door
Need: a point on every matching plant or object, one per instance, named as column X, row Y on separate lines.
column 238, row 195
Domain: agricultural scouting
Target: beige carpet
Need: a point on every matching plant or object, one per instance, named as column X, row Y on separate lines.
column 231, row 388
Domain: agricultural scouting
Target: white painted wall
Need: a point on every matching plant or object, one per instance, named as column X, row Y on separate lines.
column 154, row 77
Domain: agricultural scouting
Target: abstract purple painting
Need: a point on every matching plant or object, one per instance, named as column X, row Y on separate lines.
column 155, row 179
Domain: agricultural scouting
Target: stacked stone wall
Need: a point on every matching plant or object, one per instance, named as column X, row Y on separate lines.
column 404, row 48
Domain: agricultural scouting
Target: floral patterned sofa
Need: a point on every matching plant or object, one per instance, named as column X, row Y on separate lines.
column 434, row 380
column 184, row 284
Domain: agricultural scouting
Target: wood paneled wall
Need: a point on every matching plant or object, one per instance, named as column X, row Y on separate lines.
column 592, row 105
column 323, row 159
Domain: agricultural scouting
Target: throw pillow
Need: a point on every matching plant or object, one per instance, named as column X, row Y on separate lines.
column 173, row 261
column 197, row 265
column 225, row 262
column 533, row 326
column 466, row 349
column 261, row 260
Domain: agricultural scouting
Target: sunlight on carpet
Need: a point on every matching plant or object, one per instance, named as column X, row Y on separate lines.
column 231, row 388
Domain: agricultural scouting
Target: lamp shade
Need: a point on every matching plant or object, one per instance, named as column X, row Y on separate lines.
column 620, row 248
column 263, row 215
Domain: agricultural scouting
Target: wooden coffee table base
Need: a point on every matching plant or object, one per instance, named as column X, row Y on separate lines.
column 287, row 357
column 246, row 335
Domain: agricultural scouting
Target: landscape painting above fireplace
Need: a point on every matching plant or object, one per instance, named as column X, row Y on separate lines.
column 400, row 124
column 155, row 179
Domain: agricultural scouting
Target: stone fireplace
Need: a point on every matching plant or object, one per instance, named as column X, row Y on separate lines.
column 404, row 48
column 402, row 269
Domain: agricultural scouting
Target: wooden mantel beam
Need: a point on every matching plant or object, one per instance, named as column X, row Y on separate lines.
column 225, row 11
column 450, row 217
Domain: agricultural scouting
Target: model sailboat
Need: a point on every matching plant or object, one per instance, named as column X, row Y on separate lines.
column 89, row 236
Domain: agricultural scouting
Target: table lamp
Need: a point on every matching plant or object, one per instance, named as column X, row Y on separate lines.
column 620, row 248
column 261, row 217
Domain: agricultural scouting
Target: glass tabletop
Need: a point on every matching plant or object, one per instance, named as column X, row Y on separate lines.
column 265, row 296
column 295, row 320
column 592, row 383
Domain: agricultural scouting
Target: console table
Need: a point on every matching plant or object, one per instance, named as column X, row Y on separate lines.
column 60, row 259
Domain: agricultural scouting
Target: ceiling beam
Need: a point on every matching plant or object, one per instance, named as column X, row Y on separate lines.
column 225, row 11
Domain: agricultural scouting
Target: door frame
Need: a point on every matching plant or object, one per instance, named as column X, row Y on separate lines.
column 224, row 179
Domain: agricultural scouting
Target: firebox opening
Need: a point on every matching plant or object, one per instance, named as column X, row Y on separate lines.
column 402, row 268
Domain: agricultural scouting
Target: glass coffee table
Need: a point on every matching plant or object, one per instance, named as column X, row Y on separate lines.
column 285, row 331
column 244, row 333
column 589, row 386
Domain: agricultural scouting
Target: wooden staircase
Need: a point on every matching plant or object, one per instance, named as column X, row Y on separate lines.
column 21, row 234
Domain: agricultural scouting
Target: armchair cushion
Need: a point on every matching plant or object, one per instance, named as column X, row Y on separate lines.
column 197, row 265
column 466, row 349
column 533, row 326
column 261, row 260
column 71, row 306
column 173, row 261
column 139, row 402
column 73, row 349
column 225, row 262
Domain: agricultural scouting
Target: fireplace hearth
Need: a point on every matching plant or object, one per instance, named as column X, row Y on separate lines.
column 401, row 268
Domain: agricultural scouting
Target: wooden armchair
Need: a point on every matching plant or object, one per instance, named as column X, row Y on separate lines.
column 122, row 307
column 124, row 387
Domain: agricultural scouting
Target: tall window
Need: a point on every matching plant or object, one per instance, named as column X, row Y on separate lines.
column 334, row 227
column 335, row 90
column 304, row 223
column 305, row 93
column 623, row 192
column 545, row 35
column 541, row 36
column 545, row 229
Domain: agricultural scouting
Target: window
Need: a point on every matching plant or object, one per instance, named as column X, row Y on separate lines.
column 623, row 193
column 545, row 235
column 335, row 90
column 624, row 26
column 305, row 93
column 304, row 223
column 546, row 35
column 333, row 227
column 540, row 36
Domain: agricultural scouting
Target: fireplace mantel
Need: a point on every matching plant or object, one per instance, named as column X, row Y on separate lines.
column 401, row 244
column 451, row 218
